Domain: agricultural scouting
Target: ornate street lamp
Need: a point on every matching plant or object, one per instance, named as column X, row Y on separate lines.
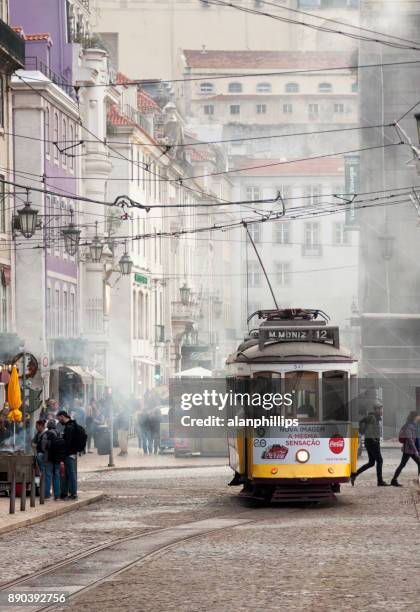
column 96, row 247
column 71, row 237
column 125, row 263
column 185, row 293
column 28, row 217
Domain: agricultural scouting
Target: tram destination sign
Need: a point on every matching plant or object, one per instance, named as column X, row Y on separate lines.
column 323, row 335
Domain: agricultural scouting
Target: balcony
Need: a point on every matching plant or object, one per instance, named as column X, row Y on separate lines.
column 34, row 63
column 134, row 115
column 12, row 48
column 184, row 312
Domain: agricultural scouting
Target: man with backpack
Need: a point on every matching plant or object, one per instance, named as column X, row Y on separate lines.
column 75, row 438
column 371, row 427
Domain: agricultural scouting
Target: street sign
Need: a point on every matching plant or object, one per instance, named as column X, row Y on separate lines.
column 142, row 280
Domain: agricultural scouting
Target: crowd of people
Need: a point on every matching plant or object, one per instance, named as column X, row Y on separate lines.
column 58, row 440
column 64, row 433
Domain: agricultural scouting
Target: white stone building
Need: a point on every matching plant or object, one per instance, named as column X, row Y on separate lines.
column 312, row 261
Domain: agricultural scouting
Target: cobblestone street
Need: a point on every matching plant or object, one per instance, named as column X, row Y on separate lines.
column 290, row 557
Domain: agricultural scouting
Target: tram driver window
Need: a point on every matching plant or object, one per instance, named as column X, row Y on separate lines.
column 266, row 384
column 303, row 386
column 335, row 402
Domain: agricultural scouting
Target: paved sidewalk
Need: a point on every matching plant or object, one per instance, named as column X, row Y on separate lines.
column 51, row 508
column 135, row 460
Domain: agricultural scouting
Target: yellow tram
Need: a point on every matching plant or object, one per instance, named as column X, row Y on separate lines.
column 305, row 447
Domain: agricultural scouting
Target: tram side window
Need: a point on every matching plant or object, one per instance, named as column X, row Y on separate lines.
column 303, row 386
column 335, row 404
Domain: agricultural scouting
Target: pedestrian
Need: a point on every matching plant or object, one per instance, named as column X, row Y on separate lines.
column 155, row 419
column 75, row 438
column 79, row 413
column 371, row 427
column 408, row 437
column 145, row 432
column 97, row 422
column 54, row 453
column 138, row 428
column 36, row 443
column 89, row 424
column 122, row 423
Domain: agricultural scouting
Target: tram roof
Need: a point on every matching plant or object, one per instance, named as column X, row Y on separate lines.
column 274, row 352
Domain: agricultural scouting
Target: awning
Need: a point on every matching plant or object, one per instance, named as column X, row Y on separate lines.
column 84, row 375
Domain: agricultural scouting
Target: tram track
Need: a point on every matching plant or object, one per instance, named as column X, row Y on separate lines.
column 88, row 569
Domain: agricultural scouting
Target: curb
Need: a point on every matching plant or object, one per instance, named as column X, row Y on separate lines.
column 64, row 508
column 150, row 468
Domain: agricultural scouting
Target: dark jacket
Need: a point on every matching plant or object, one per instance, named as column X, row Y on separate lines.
column 155, row 420
column 370, row 427
column 54, row 446
column 143, row 423
column 37, row 440
column 69, row 437
column 410, row 435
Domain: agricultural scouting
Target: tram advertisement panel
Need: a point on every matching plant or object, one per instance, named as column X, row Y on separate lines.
column 324, row 443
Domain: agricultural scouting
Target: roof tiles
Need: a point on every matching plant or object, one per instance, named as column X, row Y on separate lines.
column 277, row 167
column 250, row 60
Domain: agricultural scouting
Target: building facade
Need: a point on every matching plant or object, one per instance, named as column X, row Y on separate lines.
column 12, row 57
column 170, row 308
column 266, row 123
column 46, row 280
column 256, row 113
column 180, row 24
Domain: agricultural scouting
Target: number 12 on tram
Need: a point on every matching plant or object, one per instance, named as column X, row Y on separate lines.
column 294, row 357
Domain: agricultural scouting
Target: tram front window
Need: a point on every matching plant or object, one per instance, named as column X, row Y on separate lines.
column 303, row 387
column 335, row 402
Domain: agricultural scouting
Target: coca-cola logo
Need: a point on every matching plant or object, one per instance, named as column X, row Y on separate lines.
column 336, row 445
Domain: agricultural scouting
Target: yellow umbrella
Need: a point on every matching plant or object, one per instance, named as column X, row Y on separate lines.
column 14, row 398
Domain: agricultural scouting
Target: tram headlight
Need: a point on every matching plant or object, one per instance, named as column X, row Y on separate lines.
column 302, row 455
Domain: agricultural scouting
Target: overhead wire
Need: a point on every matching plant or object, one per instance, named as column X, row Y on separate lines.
column 139, row 82
column 255, row 167
column 104, row 142
column 212, row 142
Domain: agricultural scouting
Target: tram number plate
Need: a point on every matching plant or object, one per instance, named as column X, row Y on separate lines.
column 325, row 335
